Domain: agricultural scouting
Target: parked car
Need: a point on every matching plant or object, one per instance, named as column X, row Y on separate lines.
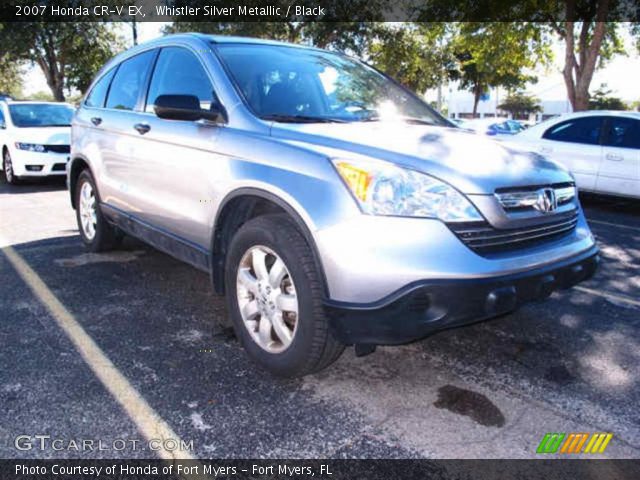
column 330, row 205
column 497, row 127
column 600, row 148
column 34, row 138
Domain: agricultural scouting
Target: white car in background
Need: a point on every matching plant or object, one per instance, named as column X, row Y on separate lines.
column 600, row 148
column 34, row 137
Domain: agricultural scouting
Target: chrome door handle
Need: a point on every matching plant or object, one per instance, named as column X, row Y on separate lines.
column 142, row 128
column 614, row 158
column 96, row 121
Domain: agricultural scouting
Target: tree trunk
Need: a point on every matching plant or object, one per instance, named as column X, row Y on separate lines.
column 477, row 92
column 578, row 70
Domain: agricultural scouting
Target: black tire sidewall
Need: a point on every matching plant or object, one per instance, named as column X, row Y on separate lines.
column 293, row 360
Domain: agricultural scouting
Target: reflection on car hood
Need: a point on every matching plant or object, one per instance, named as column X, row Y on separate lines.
column 472, row 163
column 42, row 135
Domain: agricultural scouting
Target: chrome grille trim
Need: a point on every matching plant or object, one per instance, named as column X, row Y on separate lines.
column 483, row 238
column 528, row 198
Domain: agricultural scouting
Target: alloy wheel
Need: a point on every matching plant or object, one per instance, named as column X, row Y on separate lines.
column 88, row 217
column 267, row 299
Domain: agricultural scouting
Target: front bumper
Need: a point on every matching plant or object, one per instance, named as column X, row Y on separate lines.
column 36, row 164
column 425, row 307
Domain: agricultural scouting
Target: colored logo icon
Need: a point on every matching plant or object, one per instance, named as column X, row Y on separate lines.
column 574, row 443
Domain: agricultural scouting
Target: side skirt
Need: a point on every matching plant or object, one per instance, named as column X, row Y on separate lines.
column 167, row 242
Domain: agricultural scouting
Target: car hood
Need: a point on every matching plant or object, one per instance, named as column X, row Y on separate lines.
column 43, row 135
column 471, row 163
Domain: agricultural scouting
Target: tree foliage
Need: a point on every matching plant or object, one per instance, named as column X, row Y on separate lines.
column 520, row 104
column 419, row 56
column 603, row 100
column 498, row 54
column 69, row 54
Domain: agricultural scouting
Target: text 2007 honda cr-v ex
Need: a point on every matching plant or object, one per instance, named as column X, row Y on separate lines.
column 330, row 205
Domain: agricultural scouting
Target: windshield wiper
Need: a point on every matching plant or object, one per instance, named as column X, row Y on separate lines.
column 301, row 119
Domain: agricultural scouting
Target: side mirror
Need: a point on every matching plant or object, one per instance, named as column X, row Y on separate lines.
column 186, row 107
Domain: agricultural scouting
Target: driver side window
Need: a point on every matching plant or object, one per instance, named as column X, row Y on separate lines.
column 179, row 72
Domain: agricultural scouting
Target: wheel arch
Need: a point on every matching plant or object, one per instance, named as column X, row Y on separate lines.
column 76, row 166
column 237, row 208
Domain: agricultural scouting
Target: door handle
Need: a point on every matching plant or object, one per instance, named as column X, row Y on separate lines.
column 96, row 121
column 614, row 157
column 142, row 128
column 546, row 149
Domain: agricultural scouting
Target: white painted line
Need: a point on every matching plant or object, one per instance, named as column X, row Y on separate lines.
column 610, row 296
column 601, row 222
column 149, row 423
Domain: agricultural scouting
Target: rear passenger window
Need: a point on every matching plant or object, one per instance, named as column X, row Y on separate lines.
column 623, row 133
column 584, row 130
column 179, row 72
column 98, row 93
column 129, row 81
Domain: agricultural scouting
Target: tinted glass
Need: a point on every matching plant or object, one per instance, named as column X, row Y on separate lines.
column 98, row 93
column 580, row 130
column 284, row 81
column 128, row 82
column 623, row 132
column 179, row 72
column 26, row 115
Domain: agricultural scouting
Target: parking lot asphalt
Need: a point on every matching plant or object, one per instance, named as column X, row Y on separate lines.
column 490, row 390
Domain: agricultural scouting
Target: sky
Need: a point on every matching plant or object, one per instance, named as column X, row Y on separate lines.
column 621, row 74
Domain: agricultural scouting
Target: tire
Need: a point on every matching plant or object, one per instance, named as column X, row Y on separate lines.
column 7, row 169
column 102, row 236
column 312, row 346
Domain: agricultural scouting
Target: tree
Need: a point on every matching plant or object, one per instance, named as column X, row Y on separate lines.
column 520, row 105
column 498, row 54
column 589, row 42
column 10, row 77
column 417, row 55
column 68, row 53
column 603, row 100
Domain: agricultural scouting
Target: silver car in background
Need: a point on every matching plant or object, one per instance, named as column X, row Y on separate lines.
column 330, row 205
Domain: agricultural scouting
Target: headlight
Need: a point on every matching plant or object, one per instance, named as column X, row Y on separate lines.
column 31, row 147
column 385, row 189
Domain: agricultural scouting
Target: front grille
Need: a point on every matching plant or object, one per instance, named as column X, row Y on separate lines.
column 531, row 198
column 483, row 238
column 59, row 167
column 58, row 148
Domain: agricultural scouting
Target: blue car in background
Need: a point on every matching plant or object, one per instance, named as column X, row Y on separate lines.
column 493, row 126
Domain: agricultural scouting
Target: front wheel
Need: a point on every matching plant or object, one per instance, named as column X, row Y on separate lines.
column 97, row 234
column 274, row 298
column 7, row 166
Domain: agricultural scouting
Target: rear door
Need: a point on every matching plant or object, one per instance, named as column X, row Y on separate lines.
column 620, row 168
column 575, row 143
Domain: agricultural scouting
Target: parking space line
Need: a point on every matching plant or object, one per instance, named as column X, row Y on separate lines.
column 610, row 224
column 610, row 296
column 149, row 423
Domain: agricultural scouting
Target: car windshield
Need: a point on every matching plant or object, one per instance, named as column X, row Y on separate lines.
column 289, row 84
column 40, row 115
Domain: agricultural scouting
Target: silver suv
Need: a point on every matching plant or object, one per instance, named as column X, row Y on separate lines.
column 329, row 204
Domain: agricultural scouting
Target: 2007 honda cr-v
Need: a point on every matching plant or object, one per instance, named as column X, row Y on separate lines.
column 330, row 205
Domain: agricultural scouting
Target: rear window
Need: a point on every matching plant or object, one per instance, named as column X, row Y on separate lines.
column 98, row 93
column 128, row 81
